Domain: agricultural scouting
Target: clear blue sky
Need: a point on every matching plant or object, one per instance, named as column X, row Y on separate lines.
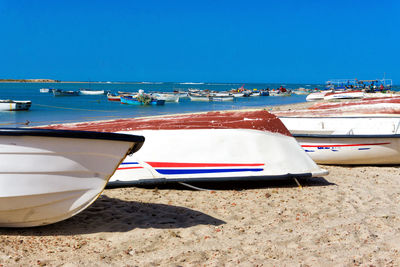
column 205, row 40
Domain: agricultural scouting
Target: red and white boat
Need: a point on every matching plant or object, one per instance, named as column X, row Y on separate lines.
column 348, row 140
column 213, row 146
column 113, row 97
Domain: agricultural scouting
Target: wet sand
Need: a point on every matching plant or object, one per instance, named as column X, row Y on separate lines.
column 350, row 217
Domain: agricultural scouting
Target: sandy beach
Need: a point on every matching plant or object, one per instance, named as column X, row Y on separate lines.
column 350, row 217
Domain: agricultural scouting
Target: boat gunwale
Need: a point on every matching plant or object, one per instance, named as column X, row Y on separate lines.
column 71, row 134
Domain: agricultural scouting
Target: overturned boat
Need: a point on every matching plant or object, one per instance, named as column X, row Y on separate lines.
column 50, row 175
column 213, row 146
column 348, row 140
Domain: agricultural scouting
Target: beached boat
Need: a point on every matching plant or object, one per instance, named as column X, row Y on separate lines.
column 319, row 95
column 59, row 92
column 166, row 97
column 349, row 94
column 213, row 146
column 113, row 97
column 137, row 100
column 50, row 175
column 91, row 92
column 14, row 105
column 348, row 140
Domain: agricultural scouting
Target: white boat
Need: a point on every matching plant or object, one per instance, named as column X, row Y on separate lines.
column 279, row 93
column 222, row 98
column 199, row 97
column 350, row 94
column 317, row 95
column 14, row 105
column 91, row 92
column 50, row 175
column 44, row 90
column 348, row 140
column 166, row 97
column 213, row 146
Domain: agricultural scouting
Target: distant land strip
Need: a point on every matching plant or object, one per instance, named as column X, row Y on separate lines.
column 29, row 81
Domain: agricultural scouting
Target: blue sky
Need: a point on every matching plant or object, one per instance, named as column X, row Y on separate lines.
column 213, row 41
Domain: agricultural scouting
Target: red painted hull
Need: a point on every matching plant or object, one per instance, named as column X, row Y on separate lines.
column 256, row 120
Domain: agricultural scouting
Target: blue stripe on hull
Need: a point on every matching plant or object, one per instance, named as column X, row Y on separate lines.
column 194, row 171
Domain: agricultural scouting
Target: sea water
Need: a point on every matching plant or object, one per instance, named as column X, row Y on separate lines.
column 48, row 109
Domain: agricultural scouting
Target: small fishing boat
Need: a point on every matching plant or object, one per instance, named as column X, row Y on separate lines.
column 136, row 100
column 279, row 93
column 348, row 140
column 50, row 175
column 45, row 90
column 213, row 146
column 59, row 92
column 349, row 94
column 200, row 97
column 113, row 97
column 91, row 92
column 166, row 97
column 14, row 105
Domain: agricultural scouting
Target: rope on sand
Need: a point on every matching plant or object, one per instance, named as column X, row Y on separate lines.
column 297, row 182
column 194, row 187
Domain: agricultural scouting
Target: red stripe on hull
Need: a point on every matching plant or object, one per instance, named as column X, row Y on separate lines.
column 128, row 168
column 375, row 144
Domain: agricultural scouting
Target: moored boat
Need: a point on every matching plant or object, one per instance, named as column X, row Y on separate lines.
column 166, row 97
column 113, row 97
column 14, row 105
column 91, row 92
column 59, row 92
column 136, row 100
column 213, row 146
column 348, row 140
column 50, row 175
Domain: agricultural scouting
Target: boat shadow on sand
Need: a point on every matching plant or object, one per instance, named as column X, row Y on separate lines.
column 233, row 185
column 115, row 215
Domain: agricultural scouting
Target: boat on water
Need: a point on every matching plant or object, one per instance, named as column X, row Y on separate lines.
column 348, row 140
column 167, row 97
column 14, row 105
column 144, row 100
column 50, row 175
column 59, row 92
column 213, row 146
column 45, row 90
column 91, row 92
column 113, row 97
column 199, row 97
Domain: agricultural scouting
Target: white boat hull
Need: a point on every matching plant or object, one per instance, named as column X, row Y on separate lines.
column 213, row 146
column 217, row 154
column 14, row 105
column 167, row 97
column 91, row 92
column 46, row 179
column 348, row 140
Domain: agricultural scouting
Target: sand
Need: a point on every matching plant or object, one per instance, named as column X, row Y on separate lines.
column 350, row 217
